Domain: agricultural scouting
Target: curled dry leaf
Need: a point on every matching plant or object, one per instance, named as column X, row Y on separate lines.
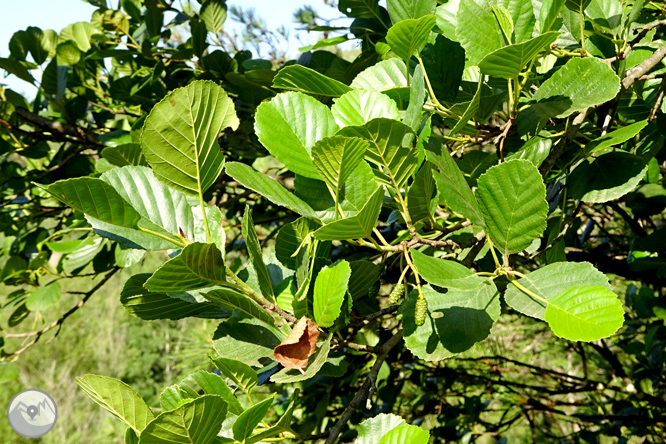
column 295, row 350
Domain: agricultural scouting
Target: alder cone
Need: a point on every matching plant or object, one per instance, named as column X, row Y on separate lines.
column 396, row 294
column 295, row 350
column 421, row 310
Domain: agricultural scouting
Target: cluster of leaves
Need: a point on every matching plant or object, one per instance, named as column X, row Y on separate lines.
column 456, row 158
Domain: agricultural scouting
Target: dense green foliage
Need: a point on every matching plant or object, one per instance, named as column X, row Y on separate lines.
column 494, row 167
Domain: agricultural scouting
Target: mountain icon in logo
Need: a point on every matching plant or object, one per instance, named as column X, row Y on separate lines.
column 32, row 413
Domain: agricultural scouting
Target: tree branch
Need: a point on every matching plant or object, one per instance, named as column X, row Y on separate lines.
column 62, row 131
column 639, row 70
column 363, row 392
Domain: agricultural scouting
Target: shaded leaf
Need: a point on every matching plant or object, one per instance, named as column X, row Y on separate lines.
column 607, row 177
column 150, row 306
column 250, row 418
column 454, row 192
column 455, row 322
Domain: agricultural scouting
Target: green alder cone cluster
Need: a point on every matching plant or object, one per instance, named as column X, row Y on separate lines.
column 457, row 159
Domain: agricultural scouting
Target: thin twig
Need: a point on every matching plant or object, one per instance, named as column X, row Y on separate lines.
column 58, row 323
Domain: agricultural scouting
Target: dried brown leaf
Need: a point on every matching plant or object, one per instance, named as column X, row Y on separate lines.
column 295, row 350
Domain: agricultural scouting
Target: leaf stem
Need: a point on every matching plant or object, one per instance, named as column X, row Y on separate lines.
column 154, row 233
column 528, row 292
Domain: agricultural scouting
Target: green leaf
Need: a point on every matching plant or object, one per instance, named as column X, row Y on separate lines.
column 68, row 54
column 179, row 136
column 417, row 95
column 315, row 363
column 406, row 434
column 505, row 21
column 408, row 37
column 477, row 30
column 509, row 61
column 444, row 62
column 549, row 281
column 470, row 111
column 616, row 137
column 579, row 84
column 196, row 385
column 329, row 292
column 385, row 137
column 164, row 206
column 80, row 33
column 359, row 8
column 548, row 14
column 250, row 418
column 17, row 68
column 197, row 266
column 373, row 429
column 454, row 192
column 233, row 300
column 355, row 227
column 363, row 275
column 409, row 9
column 254, row 251
column 269, row 188
column 522, row 15
column 95, row 198
column 455, row 322
column 309, row 81
column 584, row 313
column 358, row 107
column 335, row 158
column 607, row 177
column 124, row 155
column 119, row 399
column 421, row 199
column 213, row 13
column 238, row 372
column 385, row 75
column 512, row 198
column 289, row 125
column 43, row 297
column 606, row 14
column 195, row 422
column 445, row 273
column 283, row 425
column 323, row 43
column 289, row 240
column 150, row 306
column 246, row 339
